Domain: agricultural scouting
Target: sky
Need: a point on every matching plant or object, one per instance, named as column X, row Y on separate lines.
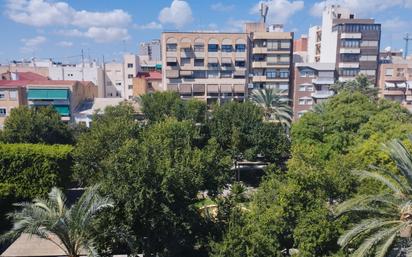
column 61, row 29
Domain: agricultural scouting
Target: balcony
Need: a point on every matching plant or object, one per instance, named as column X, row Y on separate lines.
column 264, row 64
column 349, row 50
column 323, row 81
column 259, row 50
column 259, row 79
column 171, row 54
column 172, row 74
column 351, row 36
column 199, row 54
column 348, row 65
column 259, row 64
column 322, row 94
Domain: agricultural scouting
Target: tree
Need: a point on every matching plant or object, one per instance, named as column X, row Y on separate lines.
column 35, row 125
column 108, row 133
column 162, row 105
column 156, row 179
column 360, row 84
column 274, row 104
column 385, row 217
column 51, row 219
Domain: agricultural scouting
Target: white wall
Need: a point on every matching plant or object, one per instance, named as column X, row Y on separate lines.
column 312, row 43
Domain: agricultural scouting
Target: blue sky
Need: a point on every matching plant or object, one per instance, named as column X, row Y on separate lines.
column 59, row 29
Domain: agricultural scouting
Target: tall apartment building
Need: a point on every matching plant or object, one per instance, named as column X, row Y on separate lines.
column 207, row 66
column 271, row 56
column 150, row 50
column 131, row 67
column 395, row 81
column 312, row 83
column 114, row 79
column 351, row 43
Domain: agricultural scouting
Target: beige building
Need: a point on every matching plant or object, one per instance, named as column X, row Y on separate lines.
column 271, row 57
column 12, row 95
column 147, row 82
column 395, row 81
column 207, row 66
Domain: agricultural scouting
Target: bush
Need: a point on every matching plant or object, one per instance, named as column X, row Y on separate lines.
column 28, row 170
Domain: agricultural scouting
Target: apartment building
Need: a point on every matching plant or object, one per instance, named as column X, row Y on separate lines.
column 114, row 80
column 207, row 66
column 131, row 66
column 271, row 57
column 395, row 81
column 147, row 82
column 12, row 95
column 312, row 83
column 351, row 43
column 150, row 50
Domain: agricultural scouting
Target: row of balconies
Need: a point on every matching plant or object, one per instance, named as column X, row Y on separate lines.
column 204, row 54
column 263, row 78
column 174, row 74
column 265, row 50
column 264, row 64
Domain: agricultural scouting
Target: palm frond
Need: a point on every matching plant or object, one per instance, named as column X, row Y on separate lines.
column 402, row 158
column 388, row 181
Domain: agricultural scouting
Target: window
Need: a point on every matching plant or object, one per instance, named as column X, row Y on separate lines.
column 271, row 74
column 130, row 65
column 129, row 76
column 309, row 101
column 13, row 95
column 302, row 101
column 130, row 86
column 212, row 48
column 368, row 58
column 272, row 59
column 283, row 86
column 213, row 74
column 369, row 43
column 349, row 57
column 389, row 72
column 350, row 43
column 118, row 83
column 184, row 61
column 199, row 62
column 171, row 47
column 226, row 74
column 349, row 72
column 305, row 101
column 284, row 74
column 309, row 88
column 227, row 48
column 302, row 88
column 285, row 44
column 3, row 112
column 306, row 73
column 2, row 94
column 368, row 72
column 284, row 59
column 199, row 47
column 273, row 45
column 199, row 74
column 240, row 63
column 240, row 47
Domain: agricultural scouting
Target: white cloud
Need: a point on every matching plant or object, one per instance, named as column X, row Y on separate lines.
column 65, row 44
column 150, row 25
column 43, row 13
column 280, row 10
column 32, row 44
column 220, row 7
column 179, row 14
column 362, row 7
column 106, row 34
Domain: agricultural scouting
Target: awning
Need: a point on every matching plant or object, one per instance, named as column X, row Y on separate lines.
column 185, row 45
column 389, row 85
column 240, row 72
column 239, row 88
column 401, row 85
column 172, row 87
column 212, row 88
column 186, row 73
column 185, row 88
column 226, row 88
column 212, row 60
column 171, row 59
column 226, row 61
column 198, row 88
column 47, row 94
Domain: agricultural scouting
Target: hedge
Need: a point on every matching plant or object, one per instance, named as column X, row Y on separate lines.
column 31, row 170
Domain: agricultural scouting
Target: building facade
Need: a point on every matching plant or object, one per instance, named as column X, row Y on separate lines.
column 351, row 43
column 131, row 67
column 12, row 95
column 271, row 57
column 147, row 82
column 395, row 81
column 151, row 50
column 207, row 66
column 312, row 83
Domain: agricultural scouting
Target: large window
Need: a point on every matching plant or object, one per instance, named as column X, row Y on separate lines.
column 199, row 47
column 199, row 74
column 349, row 72
column 226, row 74
column 199, row 62
column 227, row 48
column 271, row 74
column 3, row 112
column 213, row 48
column 2, row 94
column 285, row 44
column 213, row 74
column 240, row 47
column 355, row 43
column 273, row 45
column 349, row 57
column 171, row 47
column 240, row 63
column 184, row 61
column 284, row 74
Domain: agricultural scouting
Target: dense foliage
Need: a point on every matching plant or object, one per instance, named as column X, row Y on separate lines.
column 35, row 125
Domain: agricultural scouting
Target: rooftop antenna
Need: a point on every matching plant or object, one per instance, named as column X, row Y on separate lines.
column 264, row 8
column 407, row 39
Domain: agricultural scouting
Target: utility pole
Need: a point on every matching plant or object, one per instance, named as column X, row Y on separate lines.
column 407, row 39
column 264, row 8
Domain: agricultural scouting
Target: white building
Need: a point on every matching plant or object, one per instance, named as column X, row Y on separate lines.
column 131, row 66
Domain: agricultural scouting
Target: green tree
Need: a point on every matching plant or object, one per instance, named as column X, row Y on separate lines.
column 275, row 105
column 35, row 125
column 69, row 228
column 360, row 84
column 162, row 105
column 156, row 180
column 385, row 217
column 109, row 132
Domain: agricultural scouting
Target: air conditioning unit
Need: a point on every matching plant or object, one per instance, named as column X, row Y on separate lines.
column 250, row 85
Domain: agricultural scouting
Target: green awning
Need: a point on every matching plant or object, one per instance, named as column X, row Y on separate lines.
column 47, row 94
column 158, row 66
column 62, row 110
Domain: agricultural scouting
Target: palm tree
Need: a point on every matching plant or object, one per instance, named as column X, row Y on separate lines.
column 274, row 104
column 69, row 228
column 387, row 217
